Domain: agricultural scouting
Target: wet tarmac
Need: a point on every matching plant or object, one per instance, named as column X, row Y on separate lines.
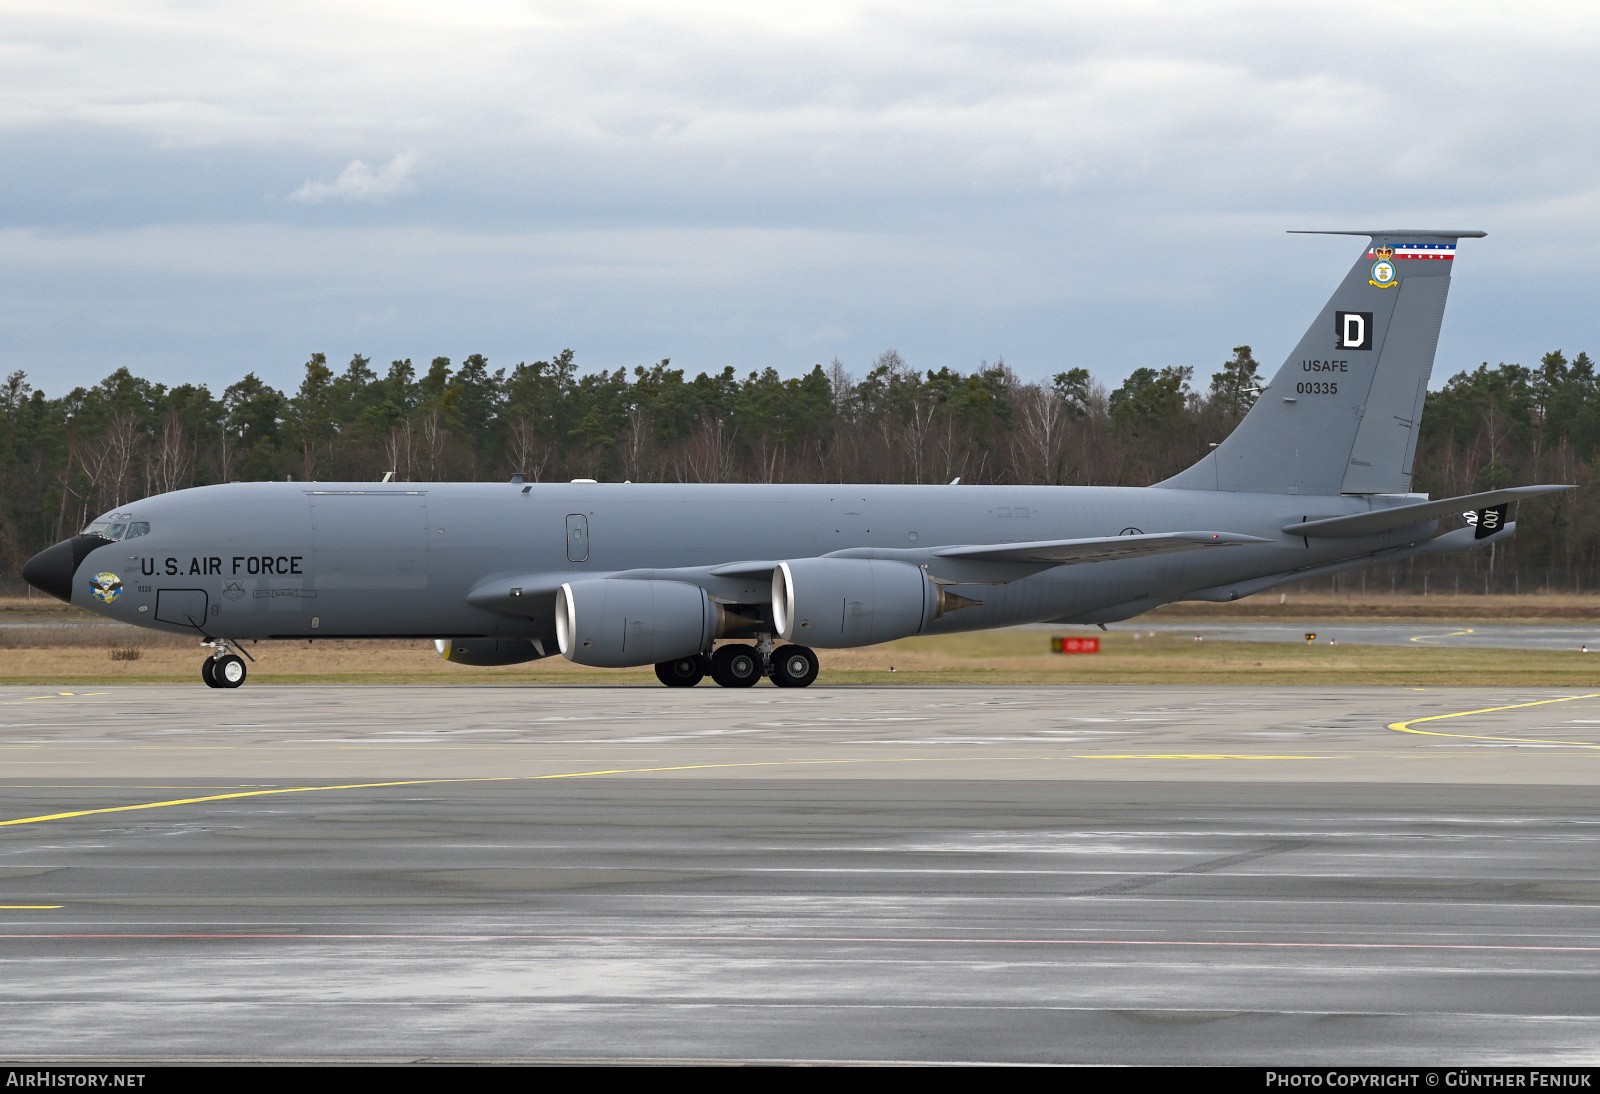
column 1028, row 874
column 1510, row 636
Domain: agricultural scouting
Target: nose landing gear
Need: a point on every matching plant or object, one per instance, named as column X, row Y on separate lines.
column 223, row 669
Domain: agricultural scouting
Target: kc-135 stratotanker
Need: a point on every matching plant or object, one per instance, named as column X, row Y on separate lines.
column 1313, row 481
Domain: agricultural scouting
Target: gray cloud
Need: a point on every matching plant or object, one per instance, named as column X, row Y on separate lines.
column 1059, row 183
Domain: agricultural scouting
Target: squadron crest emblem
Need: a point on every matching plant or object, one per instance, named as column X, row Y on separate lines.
column 1383, row 272
column 106, row 587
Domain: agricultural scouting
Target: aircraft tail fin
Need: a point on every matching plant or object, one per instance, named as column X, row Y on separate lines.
column 1341, row 415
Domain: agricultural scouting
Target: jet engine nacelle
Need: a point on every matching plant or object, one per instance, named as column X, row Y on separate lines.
column 839, row 602
column 488, row 651
column 618, row 623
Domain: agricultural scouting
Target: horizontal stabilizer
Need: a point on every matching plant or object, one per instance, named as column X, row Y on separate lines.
column 1404, row 516
column 1462, row 539
column 1393, row 233
column 1067, row 552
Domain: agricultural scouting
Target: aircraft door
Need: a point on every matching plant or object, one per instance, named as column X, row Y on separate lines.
column 577, row 538
column 185, row 607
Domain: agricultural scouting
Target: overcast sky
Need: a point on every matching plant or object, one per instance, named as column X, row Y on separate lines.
column 196, row 190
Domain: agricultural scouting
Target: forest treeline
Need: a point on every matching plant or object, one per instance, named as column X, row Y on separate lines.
column 69, row 458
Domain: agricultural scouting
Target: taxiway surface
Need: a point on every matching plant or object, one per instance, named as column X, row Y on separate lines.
column 1481, row 636
column 1263, row 875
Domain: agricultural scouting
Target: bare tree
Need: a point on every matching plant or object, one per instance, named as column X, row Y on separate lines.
column 168, row 466
column 708, row 454
column 634, row 446
column 530, row 449
column 106, row 460
column 123, row 441
column 914, row 432
column 842, row 384
column 434, row 437
column 398, row 449
column 1042, row 418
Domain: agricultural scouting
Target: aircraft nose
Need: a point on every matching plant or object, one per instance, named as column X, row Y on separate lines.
column 50, row 571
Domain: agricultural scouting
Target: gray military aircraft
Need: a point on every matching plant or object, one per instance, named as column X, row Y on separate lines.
column 1313, row 481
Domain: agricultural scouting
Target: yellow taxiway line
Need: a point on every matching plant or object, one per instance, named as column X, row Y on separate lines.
column 1425, row 637
column 1405, row 727
column 590, row 774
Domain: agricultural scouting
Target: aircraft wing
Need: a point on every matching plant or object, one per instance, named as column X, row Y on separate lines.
column 743, row 581
column 1069, row 552
column 1404, row 516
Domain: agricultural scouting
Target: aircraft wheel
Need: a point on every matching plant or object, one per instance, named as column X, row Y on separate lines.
column 793, row 666
column 685, row 672
column 229, row 671
column 736, row 666
column 207, row 675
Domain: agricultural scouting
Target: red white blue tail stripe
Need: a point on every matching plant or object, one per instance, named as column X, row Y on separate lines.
column 1445, row 251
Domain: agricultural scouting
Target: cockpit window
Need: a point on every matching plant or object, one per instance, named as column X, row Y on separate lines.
column 117, row 530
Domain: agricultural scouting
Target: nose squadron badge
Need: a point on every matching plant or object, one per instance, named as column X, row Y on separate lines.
column 1383, row 274
column 106, row 587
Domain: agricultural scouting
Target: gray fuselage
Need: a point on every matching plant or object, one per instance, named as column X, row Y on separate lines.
column 323, row 560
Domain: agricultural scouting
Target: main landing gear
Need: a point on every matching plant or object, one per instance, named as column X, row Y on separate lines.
column 736, row 666
column 223, row 669
column 793, row 666
column 685, row 672
column 740, row 666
